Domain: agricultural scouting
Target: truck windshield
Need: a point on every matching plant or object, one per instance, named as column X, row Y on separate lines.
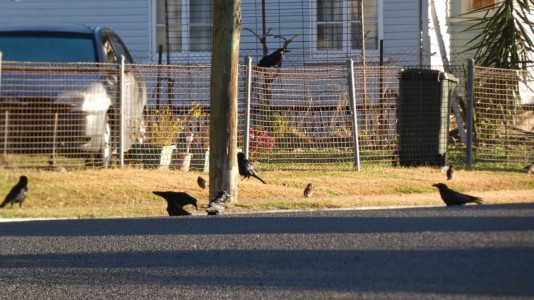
column 44, row 47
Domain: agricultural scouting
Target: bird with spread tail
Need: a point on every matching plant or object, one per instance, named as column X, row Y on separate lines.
column 451, row 197
column 308, row 191
column 202, row 183
column 176, row 202
column 218, row 204
column 18, row 193
column 246, row 168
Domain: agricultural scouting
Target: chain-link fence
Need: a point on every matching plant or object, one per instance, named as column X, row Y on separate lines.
column 83, row 115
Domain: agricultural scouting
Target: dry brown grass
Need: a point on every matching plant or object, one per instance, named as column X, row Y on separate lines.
column 128, row 192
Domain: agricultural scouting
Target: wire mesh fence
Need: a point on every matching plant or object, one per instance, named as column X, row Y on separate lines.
column 176, row 119
column 301, row 118
column 504, row 115
column 63, row 113
column 55, row 116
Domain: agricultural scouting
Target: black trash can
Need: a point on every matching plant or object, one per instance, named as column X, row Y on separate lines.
column 423, row 116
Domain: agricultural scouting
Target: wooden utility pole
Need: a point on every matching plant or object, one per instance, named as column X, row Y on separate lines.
column 224, row 90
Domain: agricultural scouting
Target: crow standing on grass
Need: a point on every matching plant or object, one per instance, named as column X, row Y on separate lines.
column 274, row 59
column 176, row 202
column 217, row 204
column 17, row 193
column 451, row 197
column 246, row 169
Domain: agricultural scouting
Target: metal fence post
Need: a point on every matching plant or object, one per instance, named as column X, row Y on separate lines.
column 0, row 71
column 6, row 132
column 246, row 133
column 470, row 98
column 6, row 122
column 121, row 111
column 352, row 96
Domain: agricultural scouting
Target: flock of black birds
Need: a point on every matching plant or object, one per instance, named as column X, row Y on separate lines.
column 177, row 200
column 216, row 206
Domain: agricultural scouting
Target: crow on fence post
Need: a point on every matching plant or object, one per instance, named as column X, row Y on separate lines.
column 274, row 59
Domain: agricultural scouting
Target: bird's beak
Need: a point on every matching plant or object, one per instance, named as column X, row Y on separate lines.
column 196, row 206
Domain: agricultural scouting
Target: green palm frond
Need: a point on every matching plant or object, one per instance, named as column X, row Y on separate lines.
column 503, row 40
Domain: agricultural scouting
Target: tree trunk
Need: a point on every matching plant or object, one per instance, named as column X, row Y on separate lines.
column 224, row 92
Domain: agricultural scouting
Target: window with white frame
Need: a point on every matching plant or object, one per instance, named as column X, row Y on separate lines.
column 338, row 25
column 189, row 24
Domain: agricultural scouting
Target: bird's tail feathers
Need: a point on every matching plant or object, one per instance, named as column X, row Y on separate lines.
column 260, row 179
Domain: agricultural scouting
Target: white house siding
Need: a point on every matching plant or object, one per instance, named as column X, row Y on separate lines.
column 132, row 20
column 439, row 33
column 129, row 18
column 292, row 18
column 402, row 32
column 460, row 38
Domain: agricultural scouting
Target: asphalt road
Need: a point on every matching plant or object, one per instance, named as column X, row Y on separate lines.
column 419, row 253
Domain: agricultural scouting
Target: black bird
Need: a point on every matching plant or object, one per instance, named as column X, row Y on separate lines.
column 529, row 169
column 176, row 202
column 450, row 172
column 274, row 59
column 202, row 183
column 308, row 192
column 451, row 197
column 217, row 204
column 17, row 193
column 246, row 169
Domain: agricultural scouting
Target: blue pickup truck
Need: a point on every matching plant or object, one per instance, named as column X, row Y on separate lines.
column 60, row 89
